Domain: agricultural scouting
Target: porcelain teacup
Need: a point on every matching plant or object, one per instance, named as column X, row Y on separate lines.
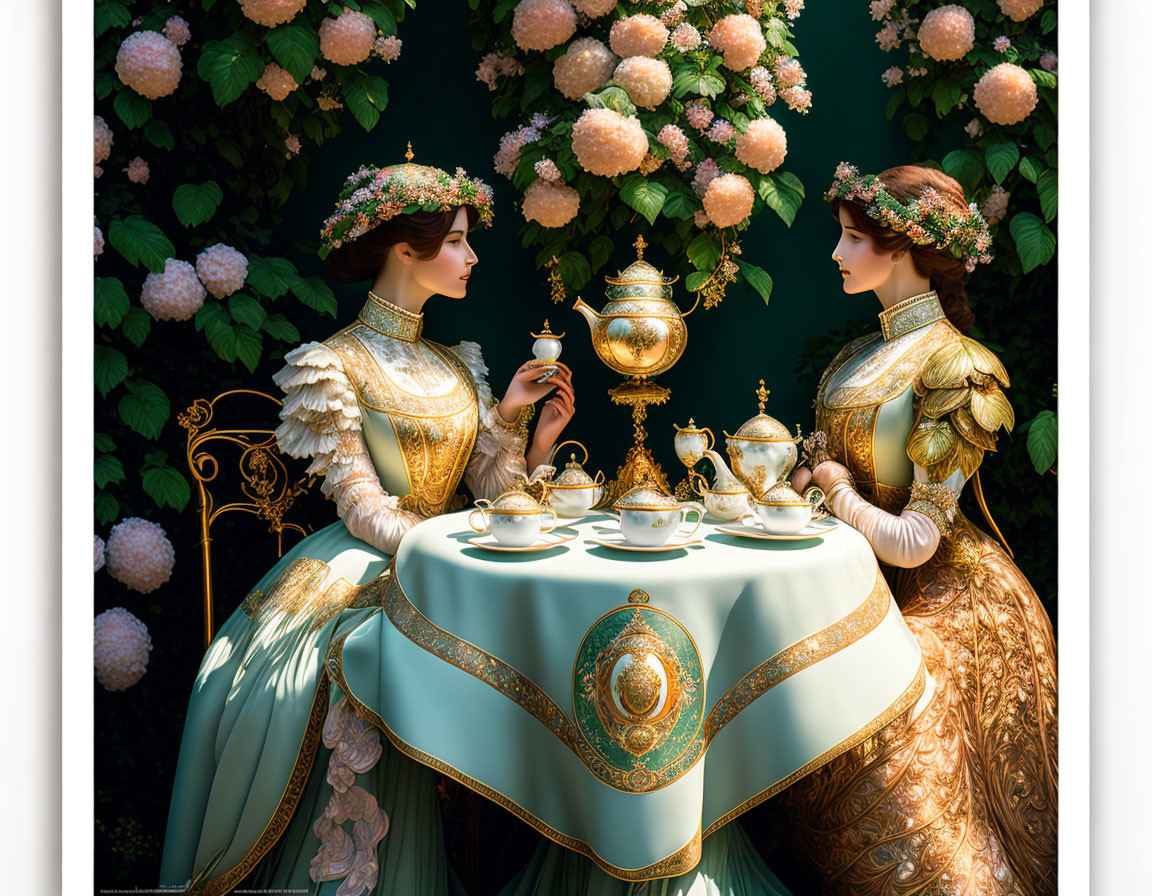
column 780, row 511
column 649, row 518
column 512, row 526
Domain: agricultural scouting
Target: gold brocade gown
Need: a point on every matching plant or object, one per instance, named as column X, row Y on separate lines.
column 958, row 797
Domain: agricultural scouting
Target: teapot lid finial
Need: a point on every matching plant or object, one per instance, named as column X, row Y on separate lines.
column 762, row 394
column 640, row 245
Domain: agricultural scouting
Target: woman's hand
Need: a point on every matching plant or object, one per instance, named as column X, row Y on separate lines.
column 801, row 479
column 554, row 416
column 829, row 472
column 524, row 390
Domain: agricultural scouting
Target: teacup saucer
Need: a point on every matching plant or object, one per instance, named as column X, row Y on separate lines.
column 619, row 542
column 812, row 530
column 543, row 541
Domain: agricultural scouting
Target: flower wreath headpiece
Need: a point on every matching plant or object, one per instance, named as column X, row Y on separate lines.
column 372, row 195
column 927, row 220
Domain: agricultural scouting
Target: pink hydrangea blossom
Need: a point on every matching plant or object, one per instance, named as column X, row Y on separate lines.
column 549, row 204
column 387, row 47
column 676, row 142
column 101, row 140
column 97, row 553
column 1002, row 44
column 271, row 12
column 1019, row 10
column 674, row 14
column 149, row 63
column 496, row 65
column 797, row 98
column 175, row 294
column 542, row 24
column 728, row 199
column 347, row 39
column 761, row 81
column 97, row 171
column 789, row 72
column 647, row 81
column 292, row 144
column 638, row 35
column 584, row 68
column 699, row 116
column 1005, row 94
column 548, row 170
column 996, row 205
column 508, row 154
column 889, row 36
column 138, row 171
column 947, row 33
column 973, row 129
column 793, row 8
column 139, row 554
column 607, row 143
column 276, row 82
column 1048, row 62
column 120, row 649
column 222, row 269
column 593, row 9
column 177, row 31
column 685, row 38
column 892, row 76
column 739, row 39
column 880, row 9
column 706, row 172
column 721, row 131
column 763, row 146
column 317, row 73
column 97, row 241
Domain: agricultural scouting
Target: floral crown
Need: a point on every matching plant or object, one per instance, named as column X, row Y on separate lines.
column 927, row 220
column 372, row 195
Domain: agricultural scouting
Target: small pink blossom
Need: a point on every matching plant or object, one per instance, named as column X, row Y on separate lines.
column 793, row 8
column 685, row 38
column 1001, row 44
column 388, row 48
column 889, row 36
column 700, row 218
column 292, row 142
column 706, row 172
column 699, row 116
column 1048, row 62
column 721, row 131
column 880, row 8
column 317, row 73
column 761, row 80
column 797, row 98
column 892, row 76
column 676, row 142
column 972, row 129
column 674, row 14
column 138, row 171
column 547, row 169
column 177, row 31
column 789, row 73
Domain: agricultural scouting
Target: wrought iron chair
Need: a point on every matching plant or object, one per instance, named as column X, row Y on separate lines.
column 266, row 488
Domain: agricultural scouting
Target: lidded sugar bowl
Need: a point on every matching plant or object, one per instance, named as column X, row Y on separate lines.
column 573, row 493
column 514, row 518
column 762, row 451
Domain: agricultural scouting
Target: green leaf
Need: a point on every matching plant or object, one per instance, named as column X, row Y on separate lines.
column 381, row 15
column 106, row 507
column 164, row 484
column 230, row 151
column 316, row 294
column 783, row 193
column 680, row 206
column 141, row 242
column 1045, row 136
column 249, row 344
column 966, row 165
column 703, row 252
column 696, row 280
column 502, row 8
column 110, row 367
column 574, row 270
column 894, row 102
column 1047, row 186
column 280, row 328
column 757, row 278
column 194, row 204
column 145, row 408
column 916, row 126
column 1042, row 441
column 367, row 97
column 229, row 66
column 1001, row 159
column 611, row 97
column 111, row 301
column 599, row 251
column 271, row 277
column 1035, row 243
column 103, row 442
column 107, row 470
column 688, row 81
column 295, row 46
column 539, row 79
column 110, row 15
column 646, row 196
column 1048, row 21
column 104, row 83
column 136, row 326
column 132, row 108
column 1030, row 168
column 246, row 310
column 1042, row 78
column 159, row 134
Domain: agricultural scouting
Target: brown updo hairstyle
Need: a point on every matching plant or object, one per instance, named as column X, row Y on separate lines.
column 362, row 258
column 945, row 272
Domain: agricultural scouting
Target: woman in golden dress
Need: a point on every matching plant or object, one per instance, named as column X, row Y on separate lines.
column 958, row 797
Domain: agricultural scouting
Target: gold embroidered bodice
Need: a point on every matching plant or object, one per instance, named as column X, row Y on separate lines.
column 873, row 395
column 418, row 405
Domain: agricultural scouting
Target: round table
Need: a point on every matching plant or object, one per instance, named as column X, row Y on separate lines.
column 629, row 704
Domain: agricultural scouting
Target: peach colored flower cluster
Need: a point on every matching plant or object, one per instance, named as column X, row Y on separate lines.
column 793, row 8
column 97, row 553
column 889, row 36
column 892, row 76
column 177, row 31
column 739, row 39
column 754, row 8
column 1001, row 44
column 880, row 9
column 548, row 170
column 347, row 39
column 797, row 98
column 138, row 553
column 728, row 199
column 542, row 24
column 706, row 172
column 138, row 171
column 584, row 68
column 292, row 144
column 947, row 33
column 149, row 63
column 646, row 81
column 996, row 205
column 1019, row 10
column 699, row 116
column 721, row 131
column 496, row 65
column 594, row 8
column 222, row 269
column 649, row 163
column 276, row 82
column 674, row 14
column 97, row 241
column 1005, row 94
column 120, row 649
column 685, row 38
column 789, row 72
column 638, row 35
column 271, row 12
column 174, row 294
column 387, row 47
column 607, row 143
column 763, row 146
column 676, row 142
column 549, row 204
column 101, row 140
column 317, row 73
column 327, row 102
column 761, row 80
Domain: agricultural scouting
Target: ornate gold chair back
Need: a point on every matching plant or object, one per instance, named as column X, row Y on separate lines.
column 265, row 485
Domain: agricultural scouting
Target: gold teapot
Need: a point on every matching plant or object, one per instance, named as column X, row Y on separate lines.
column 762, row 451
column 641, row 331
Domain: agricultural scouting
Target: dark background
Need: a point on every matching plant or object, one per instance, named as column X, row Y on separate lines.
column 437, row 103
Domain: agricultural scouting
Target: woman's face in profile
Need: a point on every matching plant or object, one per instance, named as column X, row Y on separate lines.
column 447, row 273
column 863, row 265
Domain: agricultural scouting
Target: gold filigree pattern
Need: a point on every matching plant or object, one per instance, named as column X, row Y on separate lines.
column 909, row 315
column 391, row 320
column 936, row 501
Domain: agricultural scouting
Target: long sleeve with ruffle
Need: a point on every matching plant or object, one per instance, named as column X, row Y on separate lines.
column 321, row 420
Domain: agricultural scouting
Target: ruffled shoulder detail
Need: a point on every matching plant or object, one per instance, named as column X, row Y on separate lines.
column 319, row 404
column 470, row 354
column 962, row 406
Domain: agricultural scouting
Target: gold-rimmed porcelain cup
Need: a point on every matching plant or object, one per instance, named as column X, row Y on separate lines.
column 512, row 528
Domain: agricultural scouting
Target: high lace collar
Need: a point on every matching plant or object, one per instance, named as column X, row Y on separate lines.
column 910, row 314
column 391, row 320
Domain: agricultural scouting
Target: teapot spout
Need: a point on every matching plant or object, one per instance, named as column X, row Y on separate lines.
column 725, row 479
column 590, row 315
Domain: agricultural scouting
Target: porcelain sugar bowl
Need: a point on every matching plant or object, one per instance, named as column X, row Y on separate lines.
column 723, row 503
column 573, row 493
column 781, row 511
column 649, row 517
column 762, row 451
column 514, row 519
